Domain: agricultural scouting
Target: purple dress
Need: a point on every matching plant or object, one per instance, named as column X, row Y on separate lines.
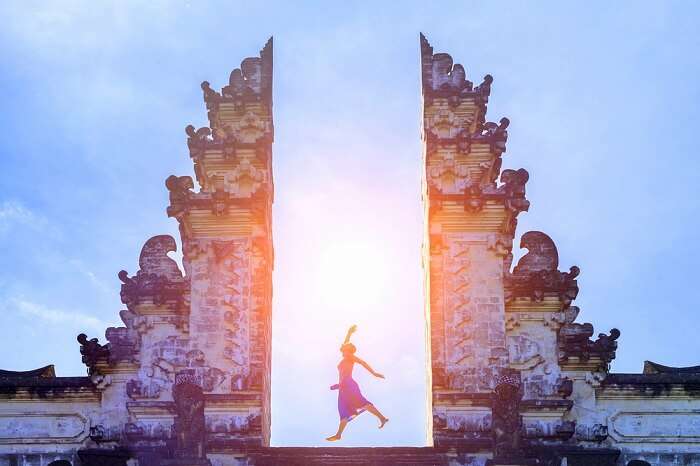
column 350, row 399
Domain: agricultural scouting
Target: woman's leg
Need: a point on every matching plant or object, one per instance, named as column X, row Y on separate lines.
column 341, row 428
column 383, row 420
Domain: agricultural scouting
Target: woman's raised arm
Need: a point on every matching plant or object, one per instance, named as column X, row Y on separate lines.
column 366, row 366
column 351, row 330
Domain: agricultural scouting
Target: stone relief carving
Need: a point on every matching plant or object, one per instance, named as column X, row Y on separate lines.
column 672, row 426
column 444, row 123
column 524, row 352
column 154, row 256
column 159, row 278
column 440, row 72
column 513, row 187
column 574, row 341
column 250, row 128
column 189, row 426
column 245, row 179
column 92, row 352
column 507, row 422
column 448, row 177
column 43, row 428
column 591, row 433
column 542, row 253
column 252, row 82
column 180, row 189
column 536, row 273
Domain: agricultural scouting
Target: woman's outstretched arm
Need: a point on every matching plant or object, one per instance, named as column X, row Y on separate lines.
column 366, row 366
column 351, row 330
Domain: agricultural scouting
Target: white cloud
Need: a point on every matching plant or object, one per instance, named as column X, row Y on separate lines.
column 13, row 213
column 90, row 275
column 77, row 26
column 76, row 319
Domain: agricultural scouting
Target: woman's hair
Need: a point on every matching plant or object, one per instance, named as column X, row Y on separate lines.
column 348, row 348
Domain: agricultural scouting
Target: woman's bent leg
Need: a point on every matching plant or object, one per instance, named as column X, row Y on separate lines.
column 372, row 409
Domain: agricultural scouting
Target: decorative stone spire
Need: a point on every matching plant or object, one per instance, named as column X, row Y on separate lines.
column 226, row 229
column 471, row 208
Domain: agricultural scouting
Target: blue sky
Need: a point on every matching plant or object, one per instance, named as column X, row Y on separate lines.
column 603, row 102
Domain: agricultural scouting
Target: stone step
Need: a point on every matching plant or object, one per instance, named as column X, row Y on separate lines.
column 349, row 456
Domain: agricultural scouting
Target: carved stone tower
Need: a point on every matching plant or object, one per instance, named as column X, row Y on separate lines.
column 471, row 220
column 227, row 245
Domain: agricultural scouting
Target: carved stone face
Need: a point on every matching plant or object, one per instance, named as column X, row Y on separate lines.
column 185, row 394
column 506, row 391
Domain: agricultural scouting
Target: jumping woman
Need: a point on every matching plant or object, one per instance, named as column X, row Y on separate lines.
column 350, row 399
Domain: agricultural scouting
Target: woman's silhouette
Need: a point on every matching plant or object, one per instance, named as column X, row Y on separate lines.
column 350, row 399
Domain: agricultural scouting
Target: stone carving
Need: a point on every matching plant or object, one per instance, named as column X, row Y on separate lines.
column 548, row 430
column 485, row 88
column 677, row 426
column 474, row 347
column 250, row 128
column 536, row 272
column 97, row 433
column 189, row 424
column 92, row 352
column 445, row 123
column 514, row 189
column 497, row 134
column 123, row 343
column 574, row 341
column 565, row 387
column 210, row 95
column 542, row 253
column 197, row 140
column 448, row 177
column 440, row 72
column 507, row 423
column 136, row 388
column 197, row 136
column 101, row 382
column 159, row 277
column 524, row 352
column 244, row 79
column 536, row 284
column 501, row 245
column 154, row 256
column 607, row 344
column 244, row 180
column 180, row 188
column 49, row 427
column 591, row 433
column 473, row 198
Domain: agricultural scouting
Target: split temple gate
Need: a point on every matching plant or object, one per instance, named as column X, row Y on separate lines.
column 514, row 378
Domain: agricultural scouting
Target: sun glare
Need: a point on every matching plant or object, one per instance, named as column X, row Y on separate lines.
column 349, row 256
column 351, row 275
